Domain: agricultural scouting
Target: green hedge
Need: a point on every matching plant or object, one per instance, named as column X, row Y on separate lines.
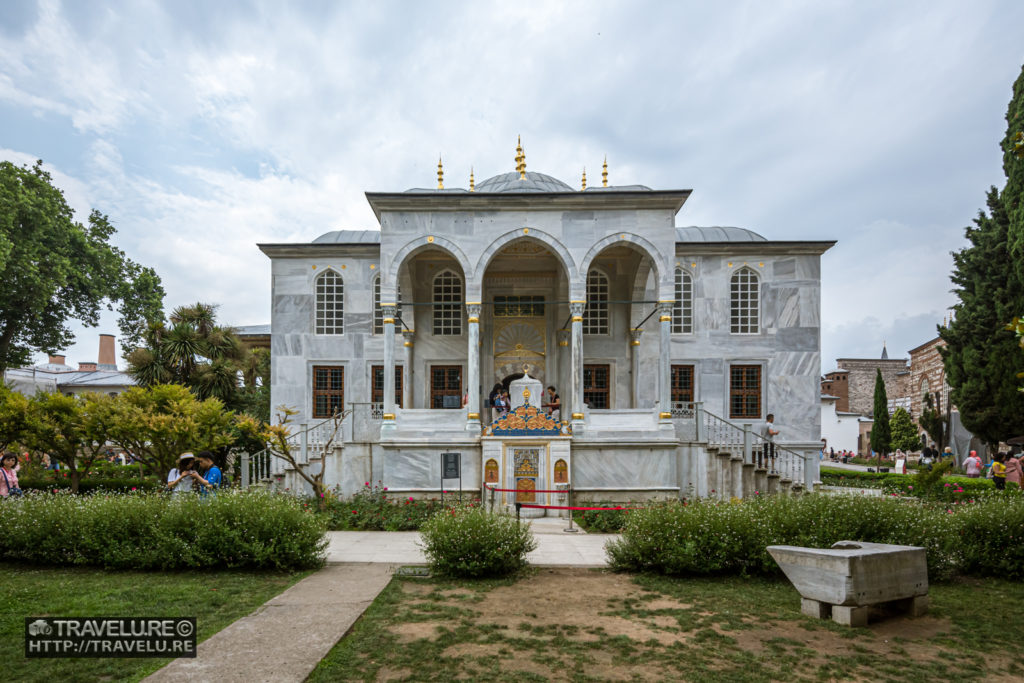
column 714, row 537
column 90, row 484
column 934, row 485
column 251, row 529
column 470, row 542
column 374, row 509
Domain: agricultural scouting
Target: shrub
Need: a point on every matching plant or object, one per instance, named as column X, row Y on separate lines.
column 251, row 529
column 374, row 509
column 603, row 521
column 91, row 484
column 470, row 542
column 934, row 485
column 710, row 537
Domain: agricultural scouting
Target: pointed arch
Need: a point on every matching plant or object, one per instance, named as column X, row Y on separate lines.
column 413, row 247
column 548, row 241
column 329, row 314
column 635, row 242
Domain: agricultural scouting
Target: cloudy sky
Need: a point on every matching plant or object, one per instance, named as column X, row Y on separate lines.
column 203, row 128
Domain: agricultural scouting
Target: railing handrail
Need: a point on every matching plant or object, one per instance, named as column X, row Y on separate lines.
column 756, row 436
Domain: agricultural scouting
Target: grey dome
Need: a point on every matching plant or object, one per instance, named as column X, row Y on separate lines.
column 349, row 237
column 534, row 182
column 693, row 233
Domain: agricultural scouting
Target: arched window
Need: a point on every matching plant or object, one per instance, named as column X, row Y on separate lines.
column 447, row 303
column 330, row 303
column 745, row 302
column 682, row 309
column 595, row 316
column 378, row 312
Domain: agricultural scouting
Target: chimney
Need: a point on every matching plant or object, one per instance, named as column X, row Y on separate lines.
column 56, row 360
column 87, row 367
column 107, row 360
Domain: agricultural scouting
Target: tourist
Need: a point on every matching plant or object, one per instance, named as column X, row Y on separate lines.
column 768, row 433
column 493, row 399
column 1014, row 470
column 9, row 469
column 210, row 478
column 972, row 465
column 947, row 452
column 926, row 459
column 180, row 478
column 999, row 471
column 554, row 404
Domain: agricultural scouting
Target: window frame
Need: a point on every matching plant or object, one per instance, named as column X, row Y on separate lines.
column 592, row 390
column 329, row 320
column 756, row 392
column 682, row 304
column 441, row 392
column 328, row 392
column 446, row 313
column 678, row 393
column 745, row 302
column 597, row 313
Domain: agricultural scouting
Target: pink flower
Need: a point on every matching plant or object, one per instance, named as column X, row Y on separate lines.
column 133, row 488
column 410, row 499
column 366, row 484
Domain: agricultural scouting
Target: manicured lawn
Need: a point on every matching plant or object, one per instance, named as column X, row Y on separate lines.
column 215, row 598
column 588, row 625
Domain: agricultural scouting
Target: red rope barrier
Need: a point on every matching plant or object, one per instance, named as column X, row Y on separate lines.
column 528, row 491
column 566, row 507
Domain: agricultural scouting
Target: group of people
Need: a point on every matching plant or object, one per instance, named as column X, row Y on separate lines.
column 194, row 473
column 1006, row 467
column 501, row 404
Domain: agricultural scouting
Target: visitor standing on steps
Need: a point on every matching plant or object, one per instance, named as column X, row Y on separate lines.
column 768, row 433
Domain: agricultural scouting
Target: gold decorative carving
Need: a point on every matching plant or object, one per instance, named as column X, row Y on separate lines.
column 664, row 416
column 665, row 319
column 491, row 471
column 473, row 416
column 388, row 416
column 473, row 319
column 430, row 238
column 561, row 472
column 577, row 416
column 577, row 318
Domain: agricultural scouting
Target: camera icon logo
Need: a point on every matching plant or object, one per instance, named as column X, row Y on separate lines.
column 40, row 627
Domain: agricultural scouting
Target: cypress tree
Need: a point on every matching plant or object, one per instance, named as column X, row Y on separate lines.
column 981, row 357
column 880, row 434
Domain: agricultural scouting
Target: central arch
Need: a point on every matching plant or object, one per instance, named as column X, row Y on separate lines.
column 526, row 234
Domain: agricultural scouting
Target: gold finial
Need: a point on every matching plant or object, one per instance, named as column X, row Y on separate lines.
column 472, row 185
column 604, row 172
column 440, row 174
column 584, row 179
column 520, row 158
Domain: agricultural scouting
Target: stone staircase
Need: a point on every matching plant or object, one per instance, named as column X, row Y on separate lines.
column 730, row 477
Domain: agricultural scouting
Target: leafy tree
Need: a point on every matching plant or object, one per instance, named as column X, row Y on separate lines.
column 196, row 352
column 980, row 357
column 880, row 435
column 55, row 269
column 71, row 429
column 932, row 421
column 157, row 424
column 903, row 432
column 13, row 408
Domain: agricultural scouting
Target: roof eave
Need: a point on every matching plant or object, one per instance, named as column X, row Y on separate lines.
column 765, row 247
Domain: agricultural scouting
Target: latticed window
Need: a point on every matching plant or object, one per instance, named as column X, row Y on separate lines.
column 330, row 303
column 328, row 390
column 447, row 303
column 596, row 383
column 518, row 306
column 595, row 316
column 377, row 394
column 378, row 312
column 745, row 306
column 682, row 308
column 745, row 391
column 682, row 385
column 445, row 386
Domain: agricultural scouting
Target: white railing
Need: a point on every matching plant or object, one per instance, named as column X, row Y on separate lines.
column 686, row 416
column 742, row 441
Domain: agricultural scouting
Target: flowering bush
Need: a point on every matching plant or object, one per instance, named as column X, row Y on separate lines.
column 603, row 521
column 375, row 509
column 935, row 485
column 251, row 529
column 58, row 480
column 468, row 541
column 711, row 537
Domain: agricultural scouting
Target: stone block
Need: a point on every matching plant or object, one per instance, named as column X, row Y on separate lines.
column 813, row 608
column 847, row 615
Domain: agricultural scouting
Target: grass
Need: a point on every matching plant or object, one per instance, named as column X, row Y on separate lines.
column 588, row 625
column 216, row 599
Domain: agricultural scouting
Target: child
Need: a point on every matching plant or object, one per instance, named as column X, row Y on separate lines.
column 999, row 471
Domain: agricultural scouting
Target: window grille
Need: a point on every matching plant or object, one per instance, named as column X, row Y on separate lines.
column 745, row 302
column 596, row 383
column 682, row 308
column 330, row 303
column 595, row 316
column 745, row 391
column 447, row 303
column 328, row 390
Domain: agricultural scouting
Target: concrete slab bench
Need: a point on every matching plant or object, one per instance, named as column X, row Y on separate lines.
column 843, row 582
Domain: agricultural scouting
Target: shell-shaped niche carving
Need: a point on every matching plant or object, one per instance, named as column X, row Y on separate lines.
column 519, row 339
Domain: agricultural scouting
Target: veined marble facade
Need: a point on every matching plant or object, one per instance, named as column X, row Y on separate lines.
column 598, row 291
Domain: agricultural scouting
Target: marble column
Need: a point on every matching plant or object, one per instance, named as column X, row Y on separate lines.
column 576, row 354
column 634, row 367
column 409, row 381
column 473, row 367
column 388, row 418
column 665, row 362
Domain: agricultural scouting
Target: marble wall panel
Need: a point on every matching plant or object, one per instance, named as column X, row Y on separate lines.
column 787, row 302
column 623, row 467
column 420, row 468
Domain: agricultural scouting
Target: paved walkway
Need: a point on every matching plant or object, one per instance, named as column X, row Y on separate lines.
column 555, row 547
column 287, row 637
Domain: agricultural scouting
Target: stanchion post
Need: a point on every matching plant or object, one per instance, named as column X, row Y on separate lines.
column 518, row 505
column 570, row 530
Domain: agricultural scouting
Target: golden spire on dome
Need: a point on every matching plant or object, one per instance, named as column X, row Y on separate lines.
column 440, row 174
column 520, row 158
column 584, row 179
column 604, row 172
column 472, row 185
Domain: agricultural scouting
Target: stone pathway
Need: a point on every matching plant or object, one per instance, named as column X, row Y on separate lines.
column 287, row 637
